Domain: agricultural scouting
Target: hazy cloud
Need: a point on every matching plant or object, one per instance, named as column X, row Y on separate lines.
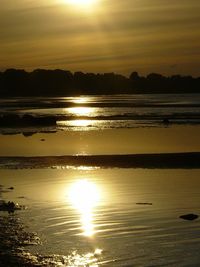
column 120, row 35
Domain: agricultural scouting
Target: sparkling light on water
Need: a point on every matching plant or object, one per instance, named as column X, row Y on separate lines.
column 81, row 111
column 84, row 196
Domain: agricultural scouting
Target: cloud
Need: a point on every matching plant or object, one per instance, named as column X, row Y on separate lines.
column 120, row 33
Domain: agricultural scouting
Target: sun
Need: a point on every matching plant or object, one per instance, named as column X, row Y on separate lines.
column 82, row 3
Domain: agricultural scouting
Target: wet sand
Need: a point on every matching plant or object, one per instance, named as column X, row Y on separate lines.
column 15, row 243
column 14, row 239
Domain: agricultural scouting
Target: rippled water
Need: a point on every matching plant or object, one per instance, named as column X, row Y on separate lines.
column 91, row 215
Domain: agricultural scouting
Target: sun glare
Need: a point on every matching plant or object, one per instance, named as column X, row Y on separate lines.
column 84, row 196
column 80, row 100
column 81, row 111
column 82, row 4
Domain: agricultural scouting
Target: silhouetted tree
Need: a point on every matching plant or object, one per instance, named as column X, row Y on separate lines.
column 14, row 81
column 58, row 82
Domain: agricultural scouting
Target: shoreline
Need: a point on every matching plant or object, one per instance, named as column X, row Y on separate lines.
column 187, row 160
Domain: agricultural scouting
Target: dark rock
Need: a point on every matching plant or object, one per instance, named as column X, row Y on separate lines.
column 11, row 188
column 42, row 139
column 10, row 206
column 189, row 217
column 28, row 119
column 45, row 121
column 144, row 203
column 13, row 120
column 166, row 121
column 9, row 119
column 28, row 134
column 49, row 132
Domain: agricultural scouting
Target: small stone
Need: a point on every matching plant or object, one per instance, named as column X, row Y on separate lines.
column 144, row 203
column 189, row 217
column 166, row 121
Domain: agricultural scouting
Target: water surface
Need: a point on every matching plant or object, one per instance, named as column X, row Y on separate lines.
column 90, row 215
column 110, row 111
column 90, row 210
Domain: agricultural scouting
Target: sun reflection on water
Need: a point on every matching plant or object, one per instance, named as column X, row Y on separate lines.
column 81, row 111
column 80, row 123
column 88, row 259
column 84, row 196
column 83, row 125
column 81, row 100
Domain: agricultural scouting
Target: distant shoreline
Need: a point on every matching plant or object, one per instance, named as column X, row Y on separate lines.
column 43, row 82
column 187, row 160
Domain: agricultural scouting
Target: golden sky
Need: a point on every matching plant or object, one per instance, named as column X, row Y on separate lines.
column 101, row 36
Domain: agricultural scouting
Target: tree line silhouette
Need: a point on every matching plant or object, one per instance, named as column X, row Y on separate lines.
column 41, row 82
